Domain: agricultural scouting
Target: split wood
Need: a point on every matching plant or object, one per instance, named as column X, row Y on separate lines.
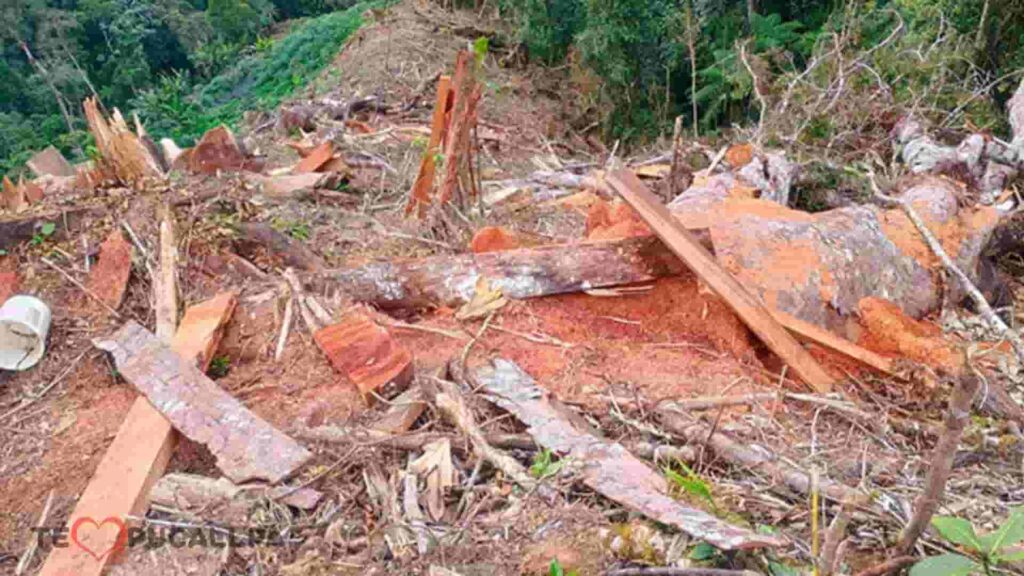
column 165, row 289
column 451, row 403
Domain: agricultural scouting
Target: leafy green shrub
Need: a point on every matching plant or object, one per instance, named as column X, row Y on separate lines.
column 258, row 81
column 982, row 553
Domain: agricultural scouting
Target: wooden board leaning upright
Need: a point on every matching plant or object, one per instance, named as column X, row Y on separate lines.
column 139, row 453
column 747, row 306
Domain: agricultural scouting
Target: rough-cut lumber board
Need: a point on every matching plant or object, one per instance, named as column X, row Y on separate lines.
column 523, row 273
column 419, row 196
column 50, row 162
column 315, row 159
column 200, row 330
column 367, row 355
column 698, row 259
column 606, row 466
column 245, row 445
column 808, row 332
column 165, row 283
column 139, row 453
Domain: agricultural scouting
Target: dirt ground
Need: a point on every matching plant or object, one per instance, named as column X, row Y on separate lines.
column 610, row 358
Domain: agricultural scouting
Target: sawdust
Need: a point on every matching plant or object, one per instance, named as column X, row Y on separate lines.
column 889, row 331
column 614, row 220
column 672, row 341
column 493, row 238
column 951, row 234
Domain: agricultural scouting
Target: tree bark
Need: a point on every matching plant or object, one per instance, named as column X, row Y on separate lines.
column 523, row 273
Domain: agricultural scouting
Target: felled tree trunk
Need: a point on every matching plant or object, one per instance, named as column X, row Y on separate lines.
column 819, row 266
column 987, row 163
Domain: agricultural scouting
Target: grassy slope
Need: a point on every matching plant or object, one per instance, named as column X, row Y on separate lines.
column 259, row 81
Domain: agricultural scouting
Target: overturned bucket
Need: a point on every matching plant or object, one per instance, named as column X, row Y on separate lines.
column 24, row 323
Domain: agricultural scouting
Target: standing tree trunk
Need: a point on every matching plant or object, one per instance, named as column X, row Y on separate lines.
column 692, row 27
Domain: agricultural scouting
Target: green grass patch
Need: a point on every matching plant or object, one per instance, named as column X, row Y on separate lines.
column 260, row 80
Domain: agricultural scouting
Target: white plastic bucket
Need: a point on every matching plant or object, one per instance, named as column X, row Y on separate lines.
column 24, row 323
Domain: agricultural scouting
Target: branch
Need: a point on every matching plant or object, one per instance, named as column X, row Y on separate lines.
column 757, row 92
column 984, row 308
column 942, row 461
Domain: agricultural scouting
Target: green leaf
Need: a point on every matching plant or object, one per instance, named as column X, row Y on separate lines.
column 703, row 551
column 1010, row 533
column 691, row 483
column 48, row 228
column 945, row 565
column 480, row 47
column 780, row 569
column 555, row 569
column 957, row 531
column 1015, row 556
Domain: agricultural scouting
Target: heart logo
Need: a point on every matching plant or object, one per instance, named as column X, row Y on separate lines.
column 119, row 543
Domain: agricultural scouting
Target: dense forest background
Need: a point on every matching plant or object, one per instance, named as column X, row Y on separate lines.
column 183, row 65
column 793, row 67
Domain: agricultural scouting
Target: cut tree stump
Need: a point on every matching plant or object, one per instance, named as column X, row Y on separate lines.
column 123, row 156
column 217, row 151
column 246, row 446
column 138, row 454
column 698, row 259
column 419, row 196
